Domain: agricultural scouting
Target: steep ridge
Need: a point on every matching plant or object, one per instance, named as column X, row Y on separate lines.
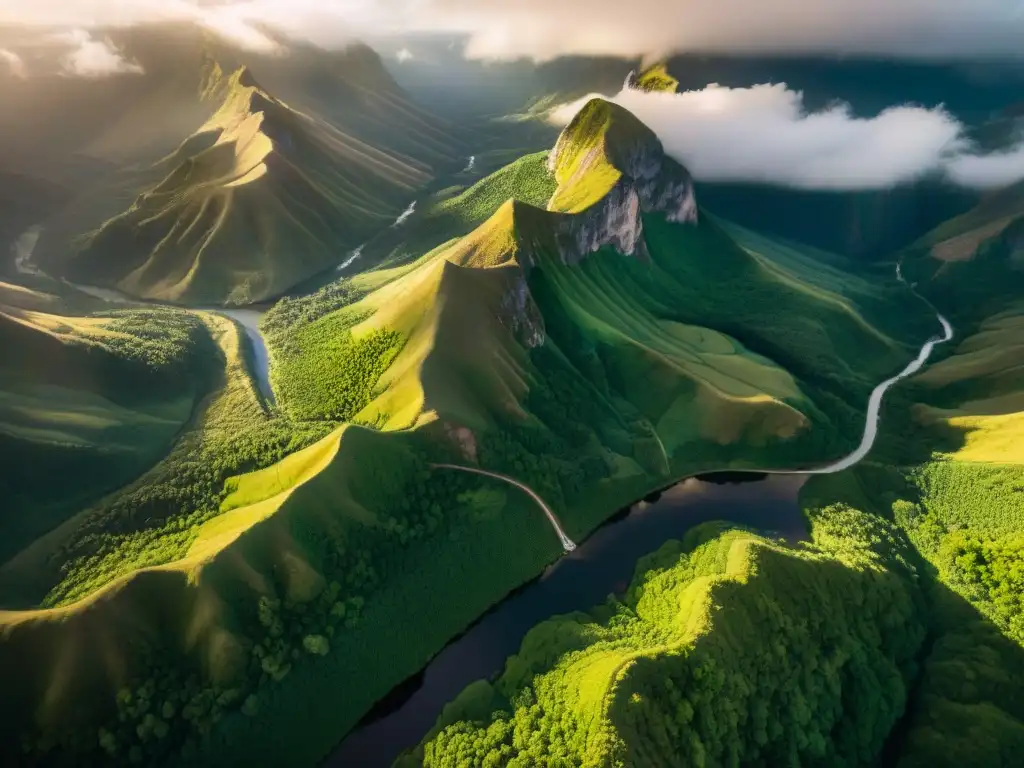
column 352, row 90
column 257, row 200
column 140, row 116
column 595, row 277
column 707, row 626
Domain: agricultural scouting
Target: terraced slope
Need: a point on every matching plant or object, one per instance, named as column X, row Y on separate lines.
column 260, row 198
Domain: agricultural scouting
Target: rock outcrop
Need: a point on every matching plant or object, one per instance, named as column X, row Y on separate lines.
column 648, row 182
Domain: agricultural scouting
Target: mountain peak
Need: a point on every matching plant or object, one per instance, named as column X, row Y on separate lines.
column 244, row 78
column 619, row 134
column 603, row 144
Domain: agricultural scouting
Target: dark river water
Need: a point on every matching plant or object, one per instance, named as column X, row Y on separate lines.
column 601, row 565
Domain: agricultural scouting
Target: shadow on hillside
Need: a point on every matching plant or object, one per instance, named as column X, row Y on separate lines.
column 965, row 707
column 905, row 441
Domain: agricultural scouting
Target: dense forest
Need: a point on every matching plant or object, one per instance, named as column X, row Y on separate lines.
column 727, row 649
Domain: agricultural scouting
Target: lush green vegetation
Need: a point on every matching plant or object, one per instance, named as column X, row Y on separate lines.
column 608, row 688
column 260, row 567
column 396, row 520
column 593, row 152
column 727, row 649
column 155, row 519
column 445, row 216
column 292, row 312
column 964, row 705
column 322, row 372
column 656, row 78
column 92, row 401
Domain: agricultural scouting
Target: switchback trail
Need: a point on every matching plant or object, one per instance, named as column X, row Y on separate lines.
column 567, row 543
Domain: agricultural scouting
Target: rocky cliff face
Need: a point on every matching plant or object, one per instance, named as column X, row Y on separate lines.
column 651, row 182
column 519, row 313
column 605, row 147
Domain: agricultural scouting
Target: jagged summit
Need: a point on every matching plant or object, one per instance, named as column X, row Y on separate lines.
column 245, row 78
column 262, row 196
column 610, row 169
column 603, row 143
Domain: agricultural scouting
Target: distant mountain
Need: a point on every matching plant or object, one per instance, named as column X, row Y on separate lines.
column 440, row 74
column 259, row 198
column 134, row 117
column 973, row 264
column 188, row 184
column 353, row 91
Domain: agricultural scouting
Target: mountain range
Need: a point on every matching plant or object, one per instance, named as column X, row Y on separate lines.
column 309, row 370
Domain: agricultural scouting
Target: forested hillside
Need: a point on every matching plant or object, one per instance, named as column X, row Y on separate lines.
column 948, row 471
column 86, row 403
column 727, row 648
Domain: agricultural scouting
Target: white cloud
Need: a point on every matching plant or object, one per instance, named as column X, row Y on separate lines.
column 999, row 169
column 763, row 134
column 90, row 57
column 544, row 29
column 14, row 62
column 404, row 55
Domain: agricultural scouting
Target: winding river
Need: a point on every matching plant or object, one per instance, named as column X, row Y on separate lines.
column 248, row 318
column 583, row 578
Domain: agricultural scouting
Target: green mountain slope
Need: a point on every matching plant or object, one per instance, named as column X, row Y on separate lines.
column 85, row 404
column 727, row 648
column 678, row 673
column 259, row 199
column 595, row 336
column 948, row 470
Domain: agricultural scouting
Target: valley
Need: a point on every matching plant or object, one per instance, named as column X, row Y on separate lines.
column 379, row 406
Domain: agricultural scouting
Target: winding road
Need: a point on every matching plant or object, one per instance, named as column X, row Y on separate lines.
column 862, row 450
column 875, row 405
column 567, row 544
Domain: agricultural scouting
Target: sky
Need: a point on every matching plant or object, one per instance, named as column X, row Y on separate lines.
column 543, row 29
column 761, row 133
column 764, row 134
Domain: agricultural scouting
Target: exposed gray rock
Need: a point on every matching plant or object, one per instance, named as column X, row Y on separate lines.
column 651, row 183
column 520, row 314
